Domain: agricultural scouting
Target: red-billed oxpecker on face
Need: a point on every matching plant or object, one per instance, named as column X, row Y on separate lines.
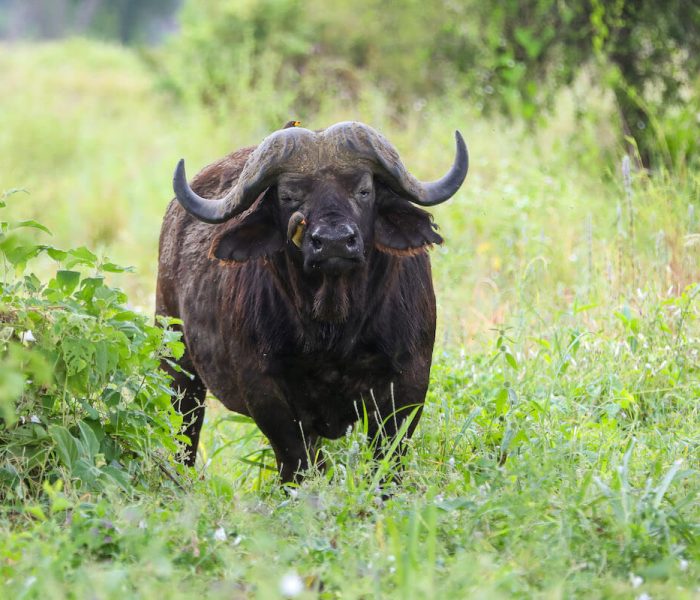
column 300, row 271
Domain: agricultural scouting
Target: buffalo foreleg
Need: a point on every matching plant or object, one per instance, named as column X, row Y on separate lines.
column 395, row 414
column 294, row 448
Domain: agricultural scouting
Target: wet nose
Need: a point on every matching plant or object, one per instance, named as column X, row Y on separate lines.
column 335, row 241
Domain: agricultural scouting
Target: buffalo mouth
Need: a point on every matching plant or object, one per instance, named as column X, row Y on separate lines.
column 333, row 265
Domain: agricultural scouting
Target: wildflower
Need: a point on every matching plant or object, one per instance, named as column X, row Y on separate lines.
column 291, row 585
column 220, row 535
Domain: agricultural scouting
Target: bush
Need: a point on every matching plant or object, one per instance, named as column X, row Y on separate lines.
column 82, row 398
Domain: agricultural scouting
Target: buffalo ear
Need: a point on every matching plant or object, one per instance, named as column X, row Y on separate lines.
column 401, row 228
column 251, row 235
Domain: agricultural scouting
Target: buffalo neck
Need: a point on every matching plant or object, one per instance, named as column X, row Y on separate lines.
column 332, row 311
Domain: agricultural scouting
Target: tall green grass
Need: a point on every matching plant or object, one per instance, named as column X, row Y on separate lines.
column 558, row 453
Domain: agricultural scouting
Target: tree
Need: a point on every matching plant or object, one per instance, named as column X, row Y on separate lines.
column 647, row 52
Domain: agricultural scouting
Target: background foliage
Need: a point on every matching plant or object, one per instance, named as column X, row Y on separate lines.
column 82, row 398
column 558, row 453
column 511, row 57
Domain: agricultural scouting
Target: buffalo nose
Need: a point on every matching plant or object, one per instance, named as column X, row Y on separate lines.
column 335, row 241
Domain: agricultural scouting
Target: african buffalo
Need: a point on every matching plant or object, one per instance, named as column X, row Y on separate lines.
column 300, row 271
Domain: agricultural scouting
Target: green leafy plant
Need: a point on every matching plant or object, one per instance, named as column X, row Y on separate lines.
column 82, row 397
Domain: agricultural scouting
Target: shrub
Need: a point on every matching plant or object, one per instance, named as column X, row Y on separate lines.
column 82, row 397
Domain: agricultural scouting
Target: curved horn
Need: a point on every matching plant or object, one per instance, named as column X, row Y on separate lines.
column 438, row 191
column 209, row 211
column 260, row 170
column 358, row 138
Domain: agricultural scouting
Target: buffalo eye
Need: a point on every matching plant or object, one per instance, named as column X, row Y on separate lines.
column 364, row 186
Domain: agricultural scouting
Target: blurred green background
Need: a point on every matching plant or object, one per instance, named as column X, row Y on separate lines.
column 99, row 100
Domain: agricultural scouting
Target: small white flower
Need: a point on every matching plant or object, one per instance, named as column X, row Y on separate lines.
column 29, row 582
column 220, row 535
column 643, row 596
column 34, row 419
column 683, row 564
column 636, row 580
column 142, row 524
column 291, row 585
column 451, row 462
column 28, row 336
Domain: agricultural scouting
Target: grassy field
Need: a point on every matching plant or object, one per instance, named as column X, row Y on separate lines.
column 558, row 456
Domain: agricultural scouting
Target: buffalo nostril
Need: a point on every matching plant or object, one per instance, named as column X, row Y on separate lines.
column 316, row 242
column 351, row 242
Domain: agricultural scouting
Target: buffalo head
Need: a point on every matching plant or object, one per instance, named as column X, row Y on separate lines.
column 328, row 197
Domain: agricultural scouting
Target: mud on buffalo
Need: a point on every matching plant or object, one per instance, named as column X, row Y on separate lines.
column 299, row 269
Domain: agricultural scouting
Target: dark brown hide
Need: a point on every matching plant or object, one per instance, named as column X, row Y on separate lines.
column 304, row 354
